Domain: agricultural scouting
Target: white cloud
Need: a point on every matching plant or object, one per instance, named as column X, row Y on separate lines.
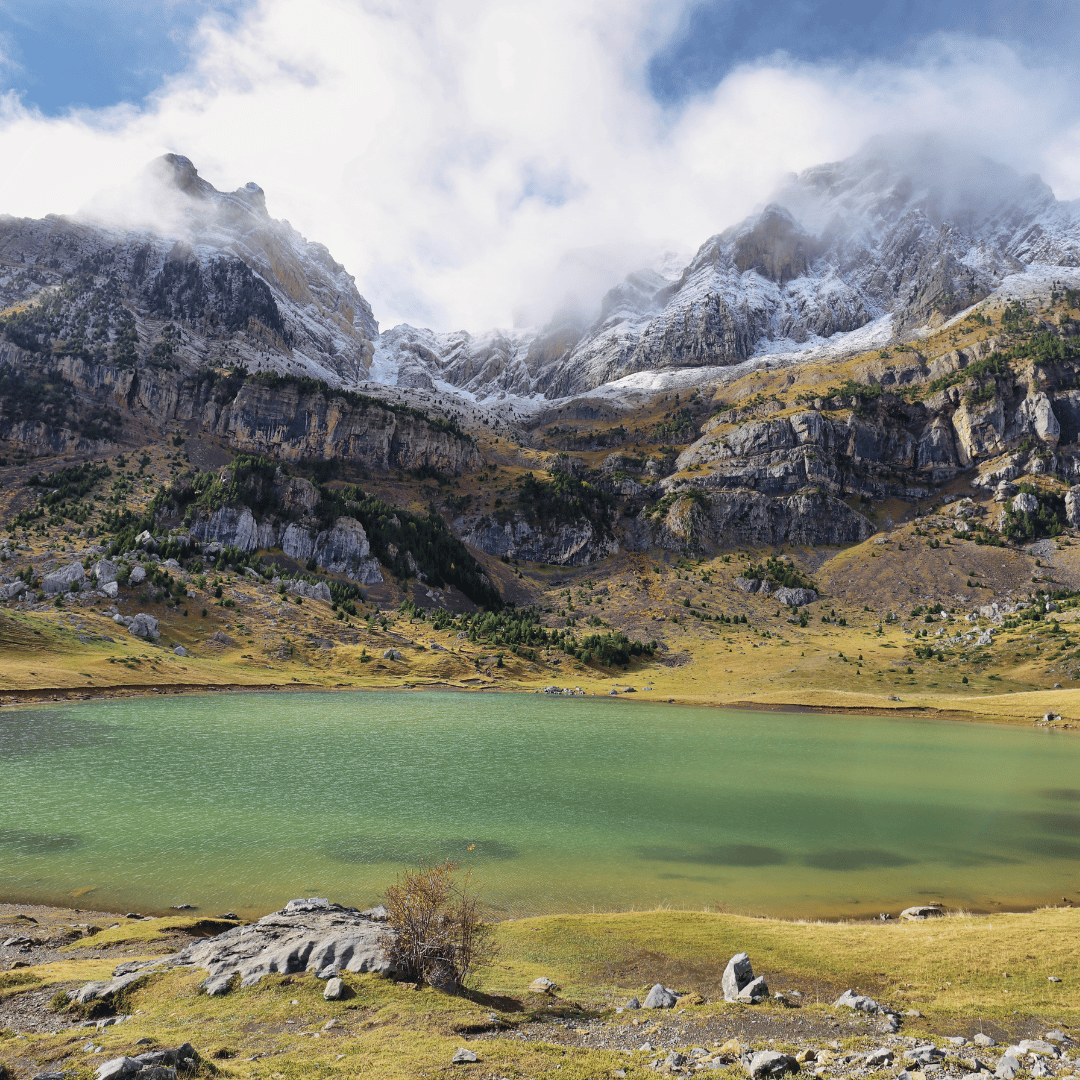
column 468, row 159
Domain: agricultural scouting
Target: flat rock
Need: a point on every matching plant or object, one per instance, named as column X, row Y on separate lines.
column 306, row 935
column 982, row 1039
column 542, row 985
column 915, row 914
column 738, row 974
column 1038, row 1046
column 660, row 997
column 464, row 1056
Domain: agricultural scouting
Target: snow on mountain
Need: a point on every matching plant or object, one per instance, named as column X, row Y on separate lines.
column 899, row 236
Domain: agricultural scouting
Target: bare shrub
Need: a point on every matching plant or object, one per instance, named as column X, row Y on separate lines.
column 437, row 935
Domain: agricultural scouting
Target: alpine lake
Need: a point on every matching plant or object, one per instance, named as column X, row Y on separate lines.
column 240, row 802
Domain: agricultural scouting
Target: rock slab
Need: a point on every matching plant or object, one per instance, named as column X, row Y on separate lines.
column 738, row 974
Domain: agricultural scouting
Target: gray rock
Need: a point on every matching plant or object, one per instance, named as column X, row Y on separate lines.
column 464, row 1056
column 771, row 1063
column 1025, row 503
column 318, row 591
column 754, row 991
column 121, row 1066
column 1038, row 1046
column 180, row 650
column 795, row 597
column 748, row 585
column 675, row 1060
column 335, row 990
column 10, row 592
column 138, row 575
column 144, row 626
column 915, row 914
column 927, row 1054
column 632, row 1003
column 956, row 1040
column 1007, row 1067
column 307, row 935
column 111, row 589
column 859, row 1002
column 61, row 581
column 660, row 997
column 106, row 991
column 542, row 985
column 982, row 1039
column 1072, row 506
column 392, row 654
column 738, row 974
column 876, row 1058
column 1055, row 1036
column 105, row 571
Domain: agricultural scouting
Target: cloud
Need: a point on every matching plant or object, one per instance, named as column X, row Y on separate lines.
column 472, row 159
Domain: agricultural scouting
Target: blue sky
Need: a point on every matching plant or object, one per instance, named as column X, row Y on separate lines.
column 69, row 53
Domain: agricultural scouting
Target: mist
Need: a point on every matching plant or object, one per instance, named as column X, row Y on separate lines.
column 477, row 165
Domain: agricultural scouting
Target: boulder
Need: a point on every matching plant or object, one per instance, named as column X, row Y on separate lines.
column 918, row 913
column 859, row 1002
column 335, row 990
column 138, row 575
column 105, row 571
column 106, row 991
column 737, row 975
column 632, row 1004
column 660, row 997
column 748, row 585
column 111, row 589
column 877, row 1058
column 61, row 581
column 144, row 626
column 754, row 991
column 542, row 985
column 1025, row 503
column 1007, row 1067
column 1072, row 506
column 795, row 597
column 319, row 591
column 306, row 935
column 392, row 654
column 982, row 1039
column 771, row 1063
column 10, row 592
column 927, row 1054
column 463, row 1056
column 1038, row 1046
column 180, row 650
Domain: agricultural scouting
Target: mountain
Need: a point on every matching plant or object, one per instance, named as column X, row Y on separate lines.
column 193, row 274
column 906, row 234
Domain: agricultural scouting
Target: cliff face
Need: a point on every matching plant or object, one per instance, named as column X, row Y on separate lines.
column 208, row 278
column 75, row 403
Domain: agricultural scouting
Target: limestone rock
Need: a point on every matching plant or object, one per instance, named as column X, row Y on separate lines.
column 61, row 581
column 303, row 936
column 754, row 991
column 771, row 1063
column 738, row 974
column 660, row 997
column 542, row 985
column 319, row 591
column 924, row 911
column 144, row 626
column 463, row 1056
column 392, row 654
column 1025, row 503
column 105, row 571
column 795, row 597
column 138, row 575
column 12, row 591
column 859, row 1002
column 335, row 990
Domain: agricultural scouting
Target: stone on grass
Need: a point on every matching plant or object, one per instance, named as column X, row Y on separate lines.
column 632, row 1003
column 542, row 985
column 392, row 654
column 144, row 626
column 1007, row 1068
column 180, row 650
column 916, row 914
column 660, row 997
column 876, row 1058
column 983, row 1040
column 675, row 1060
column 754, row 991
column 738, row 974
column 463, row 1056
column 1038, row 1046
column 115, row 1067
column 771, row 1063
column 859, row 1002
column 335, row 990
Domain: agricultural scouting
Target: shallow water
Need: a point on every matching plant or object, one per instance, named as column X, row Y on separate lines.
column 242, row 802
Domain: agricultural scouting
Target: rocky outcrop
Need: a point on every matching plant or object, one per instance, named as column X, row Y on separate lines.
column 575, row 543
column 71, row 578
column 306, row 935
column 709, row 520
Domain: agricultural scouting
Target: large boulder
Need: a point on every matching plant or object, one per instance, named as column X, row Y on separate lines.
column 1072, row 506
column 738, row 974
column 61, row 581
column 319, row 591
column 771, row 1063
column 1025, row 503
column 306, row 935
column 10, row 592
column 144, row 626
column 105, row 571
column 795, row 597
column 920, row 912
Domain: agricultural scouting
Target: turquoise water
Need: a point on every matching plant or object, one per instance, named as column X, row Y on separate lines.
column 242, row 802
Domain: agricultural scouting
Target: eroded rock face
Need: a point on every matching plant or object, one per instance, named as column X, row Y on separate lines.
column 306, row 935
column 566, row 544
column 61, row 581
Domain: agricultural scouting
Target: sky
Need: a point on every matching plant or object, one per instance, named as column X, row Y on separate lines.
column 476, row 163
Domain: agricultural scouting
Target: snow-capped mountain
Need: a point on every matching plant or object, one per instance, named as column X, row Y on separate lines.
column 914, row 232
column 198, row 274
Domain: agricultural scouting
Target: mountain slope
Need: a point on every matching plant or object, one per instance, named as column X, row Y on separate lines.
column 909, row 235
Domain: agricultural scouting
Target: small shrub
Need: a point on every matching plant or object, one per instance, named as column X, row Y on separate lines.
column 438, row 936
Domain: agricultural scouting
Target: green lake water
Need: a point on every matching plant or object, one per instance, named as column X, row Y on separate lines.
column 244, row 801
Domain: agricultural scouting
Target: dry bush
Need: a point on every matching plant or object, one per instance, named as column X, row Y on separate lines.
column 437, row 934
